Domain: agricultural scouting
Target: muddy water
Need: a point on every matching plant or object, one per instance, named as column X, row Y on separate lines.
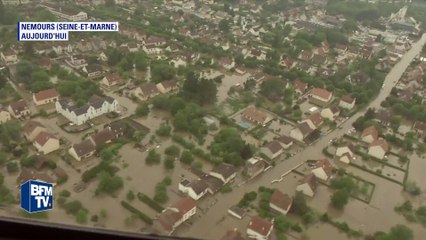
column 227, row 82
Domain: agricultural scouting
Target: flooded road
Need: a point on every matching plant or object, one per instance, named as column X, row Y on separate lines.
column 315, row 150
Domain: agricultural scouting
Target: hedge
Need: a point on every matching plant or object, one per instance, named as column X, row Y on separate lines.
column 140, row 214
column 148, row 201
column 182, row 142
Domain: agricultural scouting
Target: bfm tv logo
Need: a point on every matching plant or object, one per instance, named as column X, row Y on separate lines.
column 36, row 196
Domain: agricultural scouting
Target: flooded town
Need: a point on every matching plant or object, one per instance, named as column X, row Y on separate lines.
column 219, row 119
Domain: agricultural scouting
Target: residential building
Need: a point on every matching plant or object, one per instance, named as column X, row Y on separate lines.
column 111, row 79
column 45, row 96
column 308, row 185
column 32, row 128
column 378, row 148
column 323, row 169
column 19, row 109
column 345, row 152
column 419, row 127
column 195, row 189
column 370, row 134
column 272, row 149
column 233, row 234
column 237, row 212
column 314, row 120
column 259, row 228
column 227, row 63
column 173, row 216
column 256, row 115
column 285, row 141
column 301, row 132
column 300, row 87
column 280, row 202
column 65, row 12
column 4, row 115
column 82, row 150
column 95, row 107
column 30, row 174
column 102, row 137
column 224, row 171
column 347, row 102
column 93, row 71
column 9, row 56
column 330, row 113
column 320, row 96
column 147, row 91
column 167, row 86
column 46, row 142
column 255, row 166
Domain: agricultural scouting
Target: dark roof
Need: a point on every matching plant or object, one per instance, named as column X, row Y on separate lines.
column 92, row 68
column 60, row 172
column 233, row 235
column 214, row 184
column 96, row 101
column 19, row 106
column 285, row 139
column 118, row 128
column 198, row 186
column 224, row 169
column 149, row 88
column 311, row 180
column 281, row 200
column 39, row 161
column 385, row 116
column 305, row 129
column 84, row 147
column 273, row 146
column 102, row 137
column 30, row 126
column 29, row 174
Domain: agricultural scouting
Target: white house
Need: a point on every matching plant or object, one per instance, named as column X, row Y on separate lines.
column 167, row 86
column 19, row 109
column 225, row 172
column 323, row 169
column 272, row 149
column 95, row 107
column 82, row 150
column 347, row 102
column 66, row 13
column 256, row 115
column 195, row 189
column 111, row 79
column 9, row 56
column 173, row 216
column 330, row 113
column 378, row 148
column 46, row 142
column 45, row 97
column 4, row 115
column 308, row 185
column 147, row 91
column 280, row 202
column 369, row 134
column 259, row 228
column 345, row 152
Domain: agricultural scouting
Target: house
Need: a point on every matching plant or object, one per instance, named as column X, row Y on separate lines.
column 45, row 96
column 227, row 63
column 167, row 86
column 195, row 189
column 255, row 166
column 300, row 87
column 118, row 129
column 258, row 54
column 172, row 217
column 272, row 149
column 60, row 174
column 302, row 131
column 133, row 47
column 19, row 109
column 147, row 91
column 76, row 61
column 62, row 47
column 259, row 228
column 93, row 71
column 152, row 49
column 102, row 137
column 280, row 202
column 237, row 212
column 378, row 148
column 95, row 107
column 9, row 56
column 224, row 171
column 419, row 127
column 314, row 120
column 233, row 234
column 46, row 142
column 320, row 96
column 30, row 174
column 358, row 78
column 306, row 55
column 308, row 185
column 4, row 115
column 82, row 150
column 65, row 12
column 323, row 169
column 111, row 79
column 384, row 117
column 32, row 128
column 369, row 134
column 345, row 152
column 347, row 102
column 285, row 141
column 330, row 113
column 256, row 115
column 45, row 63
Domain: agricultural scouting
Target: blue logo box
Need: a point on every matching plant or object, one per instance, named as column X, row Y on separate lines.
column 36, row 196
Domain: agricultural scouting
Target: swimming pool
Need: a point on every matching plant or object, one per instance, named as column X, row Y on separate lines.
column 244, row 125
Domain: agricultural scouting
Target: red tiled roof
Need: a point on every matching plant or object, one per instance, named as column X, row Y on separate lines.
column 322, row 93
column 316, row 119
column 46, row 94
column 43, row 137
column 184, row 205
column 370, row 131
column 347, row 99
column 281, row 200
column 325, row 165
column 381, row 143
column 30, row 126
column 260, row 225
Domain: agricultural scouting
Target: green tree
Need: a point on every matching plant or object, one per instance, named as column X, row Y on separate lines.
column 421, row 214
column 172, row 150
column 169, row 163
column 273, row 89
column 81, row 216
column 153, row 157
column 3, row 158
column 130, row 196
column 228, row 145
column 186, row 157
column 340, row 198
column 300, row 207
column 161, row 71
column 106, row 154
column 142, row 110
column 24, row 69
column 224, row 25
column 140, row 61
column 109, row 183
column 73, row 207
column 164, row 130
column 12, row 167
column 65, row 193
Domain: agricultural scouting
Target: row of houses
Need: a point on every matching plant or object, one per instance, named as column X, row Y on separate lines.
column 44, row 141
column 151, row 90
